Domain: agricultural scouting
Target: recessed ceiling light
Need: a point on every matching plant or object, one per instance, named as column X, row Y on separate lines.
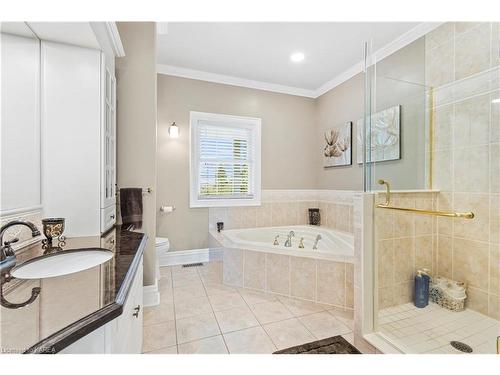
column 297, row 57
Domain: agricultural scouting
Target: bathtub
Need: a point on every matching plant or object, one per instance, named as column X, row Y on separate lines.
column 333, row 245
column 325, row 275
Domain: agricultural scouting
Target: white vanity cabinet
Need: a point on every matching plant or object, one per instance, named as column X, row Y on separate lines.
column 78, row 142
column 108, row 148
column 122, row 335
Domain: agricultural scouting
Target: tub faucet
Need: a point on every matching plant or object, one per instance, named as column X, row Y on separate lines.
column 315, row 246
column 288, row 242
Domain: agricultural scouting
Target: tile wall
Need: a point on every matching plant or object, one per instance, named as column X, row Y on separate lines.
column 404, row 243
column 321, row 281
column 289, row 207
column 463, row 67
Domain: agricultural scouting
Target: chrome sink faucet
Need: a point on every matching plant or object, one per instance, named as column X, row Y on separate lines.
column 8, row 261
column 288, row 242
column 7, row 256
column 315, row 246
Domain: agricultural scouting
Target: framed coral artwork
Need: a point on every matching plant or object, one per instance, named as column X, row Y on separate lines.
column 337, row 150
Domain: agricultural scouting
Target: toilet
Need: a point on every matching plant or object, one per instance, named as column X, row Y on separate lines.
column 162, row 247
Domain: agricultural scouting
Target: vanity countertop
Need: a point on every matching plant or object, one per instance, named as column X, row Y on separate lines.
column 71, row 306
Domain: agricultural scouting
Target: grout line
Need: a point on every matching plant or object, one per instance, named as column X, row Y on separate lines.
column 173, row 303
column 258, row 321
column 215, row 316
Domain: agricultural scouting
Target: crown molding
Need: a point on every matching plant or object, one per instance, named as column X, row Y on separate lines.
column 231, row 80
column 338, row 80
column 114, row 39
column 410, row 36
column 395, row 45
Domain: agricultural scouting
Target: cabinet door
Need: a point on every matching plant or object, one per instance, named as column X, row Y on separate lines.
column 108, row 184
column 71, row 128
column 20, row 124
column 125, row 333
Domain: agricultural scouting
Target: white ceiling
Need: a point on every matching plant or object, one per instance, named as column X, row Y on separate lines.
column 259, row 52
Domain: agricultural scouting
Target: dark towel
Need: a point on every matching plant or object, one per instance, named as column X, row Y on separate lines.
column 131, row 206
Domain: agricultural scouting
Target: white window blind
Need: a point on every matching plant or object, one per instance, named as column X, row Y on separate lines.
column 225, row 165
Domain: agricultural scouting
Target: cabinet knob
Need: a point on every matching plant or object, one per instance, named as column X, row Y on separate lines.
column 112, row 216
column 112, row 241
column 137, row 309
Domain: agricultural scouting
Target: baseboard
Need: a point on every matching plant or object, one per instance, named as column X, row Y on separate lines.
column 174, row 258
column 151, row 295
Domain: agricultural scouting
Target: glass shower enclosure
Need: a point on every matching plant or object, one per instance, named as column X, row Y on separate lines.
column 431, row 134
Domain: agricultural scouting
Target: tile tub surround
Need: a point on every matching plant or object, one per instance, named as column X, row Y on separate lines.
column 308, row 279
column 232, row 320
column 289, row 207
column 462, row 64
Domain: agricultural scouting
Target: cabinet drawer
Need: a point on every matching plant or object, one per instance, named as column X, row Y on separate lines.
column 108, row 218
column 109, row 241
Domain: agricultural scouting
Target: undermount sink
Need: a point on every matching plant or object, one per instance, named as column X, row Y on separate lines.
column 61, row 263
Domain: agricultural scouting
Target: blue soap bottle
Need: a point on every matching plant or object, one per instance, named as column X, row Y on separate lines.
column 421, row 295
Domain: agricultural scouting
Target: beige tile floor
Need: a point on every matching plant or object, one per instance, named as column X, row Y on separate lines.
column 199, row 314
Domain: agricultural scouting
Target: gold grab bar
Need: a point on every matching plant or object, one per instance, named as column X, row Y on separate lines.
column 464, row 215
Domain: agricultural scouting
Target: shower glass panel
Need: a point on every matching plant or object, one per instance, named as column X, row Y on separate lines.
column 432, row 131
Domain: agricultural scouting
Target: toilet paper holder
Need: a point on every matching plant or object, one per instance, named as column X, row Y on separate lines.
column 167, row 209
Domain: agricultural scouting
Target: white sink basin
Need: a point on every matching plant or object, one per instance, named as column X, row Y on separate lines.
column 62, row 263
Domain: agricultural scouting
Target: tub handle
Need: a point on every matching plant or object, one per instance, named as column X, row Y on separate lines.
column 301, row 243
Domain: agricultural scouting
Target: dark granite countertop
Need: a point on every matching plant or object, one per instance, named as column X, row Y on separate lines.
column 71, row 306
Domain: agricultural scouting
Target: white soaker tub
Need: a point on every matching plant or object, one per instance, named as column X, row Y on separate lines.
column 333, row 245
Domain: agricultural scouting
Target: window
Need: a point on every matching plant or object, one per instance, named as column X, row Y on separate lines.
column 225, row 160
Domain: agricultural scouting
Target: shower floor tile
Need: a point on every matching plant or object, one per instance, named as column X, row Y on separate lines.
column 430, row 330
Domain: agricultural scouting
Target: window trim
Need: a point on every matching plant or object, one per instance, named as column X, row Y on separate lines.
column 194, row 200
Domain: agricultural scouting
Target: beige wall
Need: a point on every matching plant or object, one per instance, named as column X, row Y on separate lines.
column 292, row 136
column 136, row 124
column 288, row 141
column 344, row 103
column 397, row 80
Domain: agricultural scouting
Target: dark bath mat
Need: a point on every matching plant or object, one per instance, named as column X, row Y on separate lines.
column 331, row 345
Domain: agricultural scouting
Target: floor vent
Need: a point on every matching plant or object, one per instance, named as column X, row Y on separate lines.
column 192, row 265
column 461, row 346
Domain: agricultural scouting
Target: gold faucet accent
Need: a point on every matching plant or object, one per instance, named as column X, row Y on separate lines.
column 301, row 243
column 387, row 191
column 276, row 243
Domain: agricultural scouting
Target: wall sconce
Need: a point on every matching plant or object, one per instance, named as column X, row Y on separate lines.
column 173, row 130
